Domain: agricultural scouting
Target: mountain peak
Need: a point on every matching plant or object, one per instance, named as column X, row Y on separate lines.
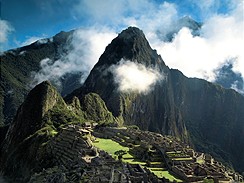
column 131, row 44
column 29, row 116
column 131, row 32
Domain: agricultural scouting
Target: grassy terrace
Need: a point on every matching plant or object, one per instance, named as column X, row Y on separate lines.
column 200, row 161
column 160, row 172
column 173, row 154
column 182, row 159
column 111, row 147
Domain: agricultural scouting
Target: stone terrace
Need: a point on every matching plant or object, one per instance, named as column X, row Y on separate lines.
column 180, row 159
column 78, row 160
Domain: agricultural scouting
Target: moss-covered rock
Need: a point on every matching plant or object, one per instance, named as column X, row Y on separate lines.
column 37, row 120
column 95, row 109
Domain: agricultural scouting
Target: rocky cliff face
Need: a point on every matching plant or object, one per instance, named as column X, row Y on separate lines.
column 152, row 111
column 22, row 147
column 213, row 116
column 195, row 110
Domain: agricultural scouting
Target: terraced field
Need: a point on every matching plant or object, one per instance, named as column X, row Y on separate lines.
column 112, row 147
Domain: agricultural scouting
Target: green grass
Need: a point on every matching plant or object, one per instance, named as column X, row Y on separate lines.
column 182, row 159
column 200, row 161
column 111, row 147
column 134, row 161
column 179, row 154
column 155, row 163
column 156, row 169
column 164, row 173
column 173, row 152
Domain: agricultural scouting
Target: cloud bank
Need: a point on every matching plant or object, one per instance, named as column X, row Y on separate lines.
column 84, row 51
column 5, row 29
column 221, row 39
column 134, row 77
column 30, row 40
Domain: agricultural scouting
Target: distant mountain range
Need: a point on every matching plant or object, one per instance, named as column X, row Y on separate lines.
column 198, row 112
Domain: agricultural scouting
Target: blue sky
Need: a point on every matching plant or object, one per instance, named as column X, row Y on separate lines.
column 44, row 18
column 99, row 21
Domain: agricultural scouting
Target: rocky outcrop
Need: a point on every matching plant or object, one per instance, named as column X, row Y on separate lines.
column 29, row 116
column 22, row 147
column 134, row 108
column 94, row 109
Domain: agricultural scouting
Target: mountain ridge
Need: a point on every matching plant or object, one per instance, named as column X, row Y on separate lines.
column 18, row 65
column 177, row 106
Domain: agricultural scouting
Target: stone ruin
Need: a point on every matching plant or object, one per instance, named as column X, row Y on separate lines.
column 189, row 165
column 78, row 160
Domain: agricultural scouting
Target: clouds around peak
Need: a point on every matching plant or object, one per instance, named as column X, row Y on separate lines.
column 84, row 51
column 33, row 39
column 135, row 77
column 220, row 37
column 5, row 29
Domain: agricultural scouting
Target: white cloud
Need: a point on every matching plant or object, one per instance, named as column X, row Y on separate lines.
column 86, row 47
column 156, row 20
column 221, row 39
column 112, row 12
column 31, row 40
column 235, row 87
column 134, row 77
column 5, row 29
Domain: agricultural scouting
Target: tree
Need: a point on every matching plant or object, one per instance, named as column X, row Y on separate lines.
column 120, row 153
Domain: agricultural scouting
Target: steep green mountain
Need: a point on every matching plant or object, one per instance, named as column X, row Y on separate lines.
column 18, row 65
column 207, row 115
column 22, row 148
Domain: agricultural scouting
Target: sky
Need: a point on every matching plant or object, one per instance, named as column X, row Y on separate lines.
column 219, row 42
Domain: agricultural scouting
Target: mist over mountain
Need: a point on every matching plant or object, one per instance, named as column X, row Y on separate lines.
column 18, row 68
column 186, row 22
column 228, row 78
column 204, row 114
